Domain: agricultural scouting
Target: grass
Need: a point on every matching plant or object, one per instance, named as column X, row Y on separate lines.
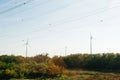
column 92, row 75
column 83, row 75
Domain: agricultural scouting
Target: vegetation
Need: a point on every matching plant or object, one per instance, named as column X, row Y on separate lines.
column 30, row 67
column 82, row 75
column 42, row 67
column 108, row 61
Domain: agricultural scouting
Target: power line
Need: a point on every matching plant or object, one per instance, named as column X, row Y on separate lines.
column 15, row 7
column 6, row 3
column 97, row 11
column 47, row 12
column 24, row 10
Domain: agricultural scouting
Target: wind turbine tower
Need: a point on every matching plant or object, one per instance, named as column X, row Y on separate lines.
column 91, row 43
column 26, row 48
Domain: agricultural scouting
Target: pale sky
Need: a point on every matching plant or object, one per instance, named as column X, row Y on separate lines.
column 50, row 25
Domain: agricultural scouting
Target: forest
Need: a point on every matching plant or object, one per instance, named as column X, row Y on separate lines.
column 43, row 67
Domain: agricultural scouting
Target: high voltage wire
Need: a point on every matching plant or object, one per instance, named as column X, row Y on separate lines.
column 6, row 3
column 21, row 11
column 63, row 21
column 47, row 12
column 57, row 9
column 97, row 11
column 40, row 29
column 83, row 17
column 25, row 10
column 24, row 3
column 15, row 7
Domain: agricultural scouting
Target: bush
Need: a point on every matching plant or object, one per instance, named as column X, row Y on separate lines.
column 108, row 61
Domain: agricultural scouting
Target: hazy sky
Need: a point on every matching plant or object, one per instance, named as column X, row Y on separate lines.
column 50, row 25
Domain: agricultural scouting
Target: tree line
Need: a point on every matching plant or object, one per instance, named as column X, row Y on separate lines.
column 44, row 66
column 105, row 61
column 31, row 67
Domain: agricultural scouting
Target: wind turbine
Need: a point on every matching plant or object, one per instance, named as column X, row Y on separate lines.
column 65, row 50
column 91, row 43
column 26, row 47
